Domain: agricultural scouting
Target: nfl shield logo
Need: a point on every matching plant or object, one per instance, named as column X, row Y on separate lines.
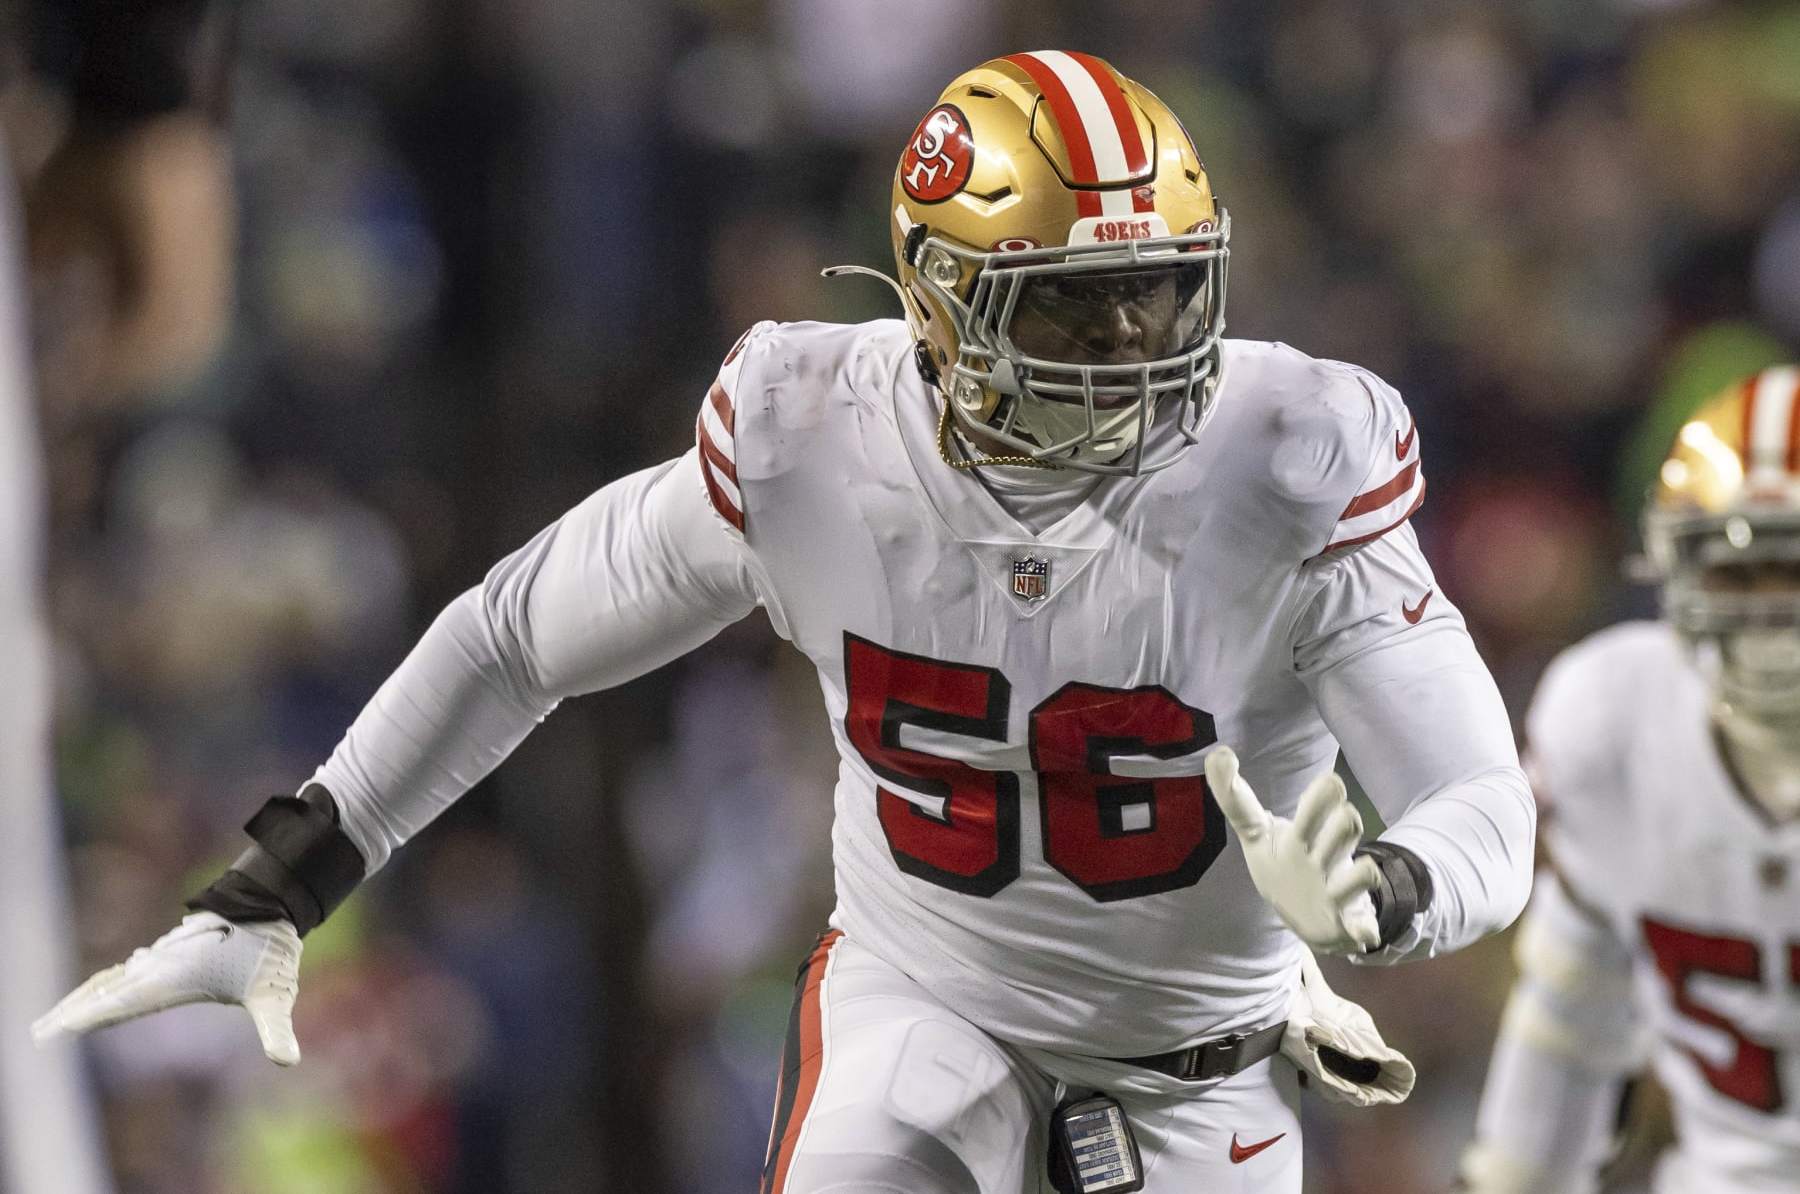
column 1031, row 579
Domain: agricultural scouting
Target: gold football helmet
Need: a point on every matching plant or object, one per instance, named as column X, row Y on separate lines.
column 1062, row 263
column 1723, row 536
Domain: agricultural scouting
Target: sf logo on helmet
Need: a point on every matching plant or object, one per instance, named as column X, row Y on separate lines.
column 937, row 163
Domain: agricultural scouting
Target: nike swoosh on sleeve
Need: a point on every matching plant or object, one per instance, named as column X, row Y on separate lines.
column 1403, row 446
column 1412, row 613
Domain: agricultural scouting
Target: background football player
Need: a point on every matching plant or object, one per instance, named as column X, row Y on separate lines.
column 1086, row 586
column 1666, row 926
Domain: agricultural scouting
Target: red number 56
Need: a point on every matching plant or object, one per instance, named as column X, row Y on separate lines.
column 1115, row 837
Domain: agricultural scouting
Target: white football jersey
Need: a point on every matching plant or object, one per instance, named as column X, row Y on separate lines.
column 1022, row 824
column 1022, row 820
column 1650, row 830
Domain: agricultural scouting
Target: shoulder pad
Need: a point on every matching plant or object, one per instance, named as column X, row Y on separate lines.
column 1341, row 449
column 715, row 433
column 1381, row 436
column 1579, row 717
column 776, row 395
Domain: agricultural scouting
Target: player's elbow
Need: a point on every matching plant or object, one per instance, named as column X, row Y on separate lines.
column 1514, row 835
column 1477, row 837
column 487, row 628
column 1522, row 854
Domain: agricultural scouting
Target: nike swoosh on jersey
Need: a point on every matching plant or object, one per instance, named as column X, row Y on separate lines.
column 1403, row 446
column 1412, row 613
column 1243, row 1152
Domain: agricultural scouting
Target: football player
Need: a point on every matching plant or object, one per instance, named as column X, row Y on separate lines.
column 1667, row 925
column 1090, row 591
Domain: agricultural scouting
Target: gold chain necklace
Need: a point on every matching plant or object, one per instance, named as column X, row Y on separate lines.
column 951, row 459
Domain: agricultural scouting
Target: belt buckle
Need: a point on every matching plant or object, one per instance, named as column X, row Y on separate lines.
column 1221, row 1055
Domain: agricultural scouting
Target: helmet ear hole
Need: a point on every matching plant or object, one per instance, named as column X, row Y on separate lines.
column 909, row 250
column 923, row 362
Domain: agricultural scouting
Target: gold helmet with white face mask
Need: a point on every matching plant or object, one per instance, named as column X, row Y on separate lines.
column 1723, row 536
column 1062, row 262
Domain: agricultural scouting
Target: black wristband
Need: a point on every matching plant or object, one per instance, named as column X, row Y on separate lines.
column 1404, row 889
column 302, row 866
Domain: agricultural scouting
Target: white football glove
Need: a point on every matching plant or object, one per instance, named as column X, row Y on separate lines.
column 205, row 958
column 1303, row 867
column 1365, row 1071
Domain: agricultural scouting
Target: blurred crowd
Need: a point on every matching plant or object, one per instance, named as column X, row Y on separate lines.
column 489, row 255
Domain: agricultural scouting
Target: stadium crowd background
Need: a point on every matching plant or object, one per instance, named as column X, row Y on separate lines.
column 491, row 253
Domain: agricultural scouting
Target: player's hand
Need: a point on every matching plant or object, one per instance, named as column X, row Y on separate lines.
column 205, row 958
column 1303, row 867
column 1336, row 1044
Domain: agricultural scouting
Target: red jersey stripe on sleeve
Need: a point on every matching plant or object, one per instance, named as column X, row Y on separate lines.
column 1356, row 540
column 716, row 493
column 1381, row 495
column 715, row 433
column 721, row 404
column 710, row 453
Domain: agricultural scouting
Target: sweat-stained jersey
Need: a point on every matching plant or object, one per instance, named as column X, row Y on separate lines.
column 1022, row 825
column 1655, row 839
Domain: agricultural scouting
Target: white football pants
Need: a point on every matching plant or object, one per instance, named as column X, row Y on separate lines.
column 884, row 1089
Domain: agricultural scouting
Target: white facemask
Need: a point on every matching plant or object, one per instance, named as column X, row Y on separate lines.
column 1758, row 674
column 1755, row 678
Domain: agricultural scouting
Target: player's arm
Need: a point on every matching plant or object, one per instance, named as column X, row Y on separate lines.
column 1569, row 1042
column 1400, row 684
column 641, row 572
column 1394, row 675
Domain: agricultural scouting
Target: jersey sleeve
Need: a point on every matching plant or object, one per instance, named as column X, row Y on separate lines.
column 633, row 577
column 1382, row 481
column 1400, row 685
column 717, row 427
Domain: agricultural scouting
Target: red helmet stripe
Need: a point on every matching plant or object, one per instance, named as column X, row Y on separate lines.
column 1068, row 123
column 1136, row 162
column 1793, row 427
column 1749, row 426
column 1769, row 418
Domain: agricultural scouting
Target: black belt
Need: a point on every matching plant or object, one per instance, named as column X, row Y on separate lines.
column 1218, row 1058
